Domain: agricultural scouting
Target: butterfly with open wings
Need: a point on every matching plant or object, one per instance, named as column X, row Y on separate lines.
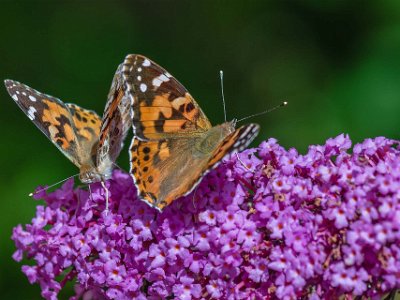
column 174, row 143
column 90, row 142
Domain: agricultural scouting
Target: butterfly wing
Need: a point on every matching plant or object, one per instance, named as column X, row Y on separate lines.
column 164, row 170
column 116, row 119
column 72, row 129
column 87, row 124
column 161, row 105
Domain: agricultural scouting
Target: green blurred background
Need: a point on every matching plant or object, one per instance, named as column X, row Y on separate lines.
column 337, row 63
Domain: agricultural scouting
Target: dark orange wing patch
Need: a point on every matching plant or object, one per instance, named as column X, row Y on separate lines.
column 86, row 122
column 161, row 105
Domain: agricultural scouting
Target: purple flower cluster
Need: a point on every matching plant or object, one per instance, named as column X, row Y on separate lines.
column 272, row 224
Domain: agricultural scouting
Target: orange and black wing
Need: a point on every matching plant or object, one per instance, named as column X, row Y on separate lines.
column 161, row 105
column 116, row 119
column 165, row 170
column 68, row 126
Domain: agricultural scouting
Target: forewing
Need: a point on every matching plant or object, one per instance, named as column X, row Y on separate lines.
column 116, row 119
column 87, row 129
column 165, row 170
column 50, row 115
column 161, row 105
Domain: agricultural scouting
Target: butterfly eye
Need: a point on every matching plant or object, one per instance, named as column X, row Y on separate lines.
column 86, row 177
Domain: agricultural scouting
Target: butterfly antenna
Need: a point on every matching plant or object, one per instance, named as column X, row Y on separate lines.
column 265, row 111
column 46, row 188
column 221, row 75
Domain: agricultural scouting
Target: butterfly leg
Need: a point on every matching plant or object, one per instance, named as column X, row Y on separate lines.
column 107, row 195
column 90, row 192
column 194, row 195
column 242, row 163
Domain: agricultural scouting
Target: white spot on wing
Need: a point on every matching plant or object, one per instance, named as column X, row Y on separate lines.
column 146, row 63
column 15, row 97
column 163, row 77
column 139, row 69
column 32, row 98
column 31, row 113
column 139, row 78
column 159, row 80
column 143, row 87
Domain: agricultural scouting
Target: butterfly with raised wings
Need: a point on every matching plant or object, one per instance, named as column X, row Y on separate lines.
column 90, row 142
column 174, row 143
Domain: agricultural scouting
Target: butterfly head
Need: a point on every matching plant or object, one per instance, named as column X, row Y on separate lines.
column 233, row 123
column 90, row 175
column 227, row 127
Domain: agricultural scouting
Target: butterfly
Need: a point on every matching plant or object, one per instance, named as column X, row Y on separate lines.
column 174, row 143
column 90, row 142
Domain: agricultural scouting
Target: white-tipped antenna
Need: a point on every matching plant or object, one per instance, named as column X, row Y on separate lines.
column 46, row 188
column 221, row 75
column 264, row 112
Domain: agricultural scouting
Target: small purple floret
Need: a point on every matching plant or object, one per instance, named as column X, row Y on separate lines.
column 276, row 224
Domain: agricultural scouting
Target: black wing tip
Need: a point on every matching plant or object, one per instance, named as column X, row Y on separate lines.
column 132, row 55
column 135, row 56
column 140, row 57
column 9, row 82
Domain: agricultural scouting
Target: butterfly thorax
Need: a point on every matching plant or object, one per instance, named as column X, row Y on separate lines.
column 214, row 136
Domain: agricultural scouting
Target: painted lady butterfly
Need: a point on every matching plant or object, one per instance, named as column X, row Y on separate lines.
column 91, row 143
column 174, row 144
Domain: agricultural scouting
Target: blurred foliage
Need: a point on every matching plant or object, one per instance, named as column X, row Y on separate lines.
column 337, row 63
